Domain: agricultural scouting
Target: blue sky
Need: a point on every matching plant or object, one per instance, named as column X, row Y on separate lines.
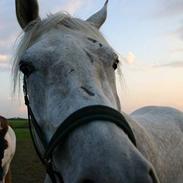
column 148, row 36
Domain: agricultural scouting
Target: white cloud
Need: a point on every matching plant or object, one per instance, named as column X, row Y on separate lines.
column 177, row 50
column 73, row 6
column 177, row 64
column 179, row 32
column 4, row 62
column 170, row 8
column 129, row 58
column 4, row 58
column 4, row 67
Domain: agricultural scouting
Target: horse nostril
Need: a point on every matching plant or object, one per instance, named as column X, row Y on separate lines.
column 153, row 176
column 87, row 181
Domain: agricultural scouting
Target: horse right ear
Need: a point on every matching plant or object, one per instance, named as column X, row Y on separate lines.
column 99, row 18
column 26, row 11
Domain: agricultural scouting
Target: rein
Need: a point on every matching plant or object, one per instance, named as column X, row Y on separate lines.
column 81, row 117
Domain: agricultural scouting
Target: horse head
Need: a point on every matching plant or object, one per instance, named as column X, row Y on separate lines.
column 67, row 65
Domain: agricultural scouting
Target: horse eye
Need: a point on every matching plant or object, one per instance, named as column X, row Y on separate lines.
column 26, row 68
column 115, row 64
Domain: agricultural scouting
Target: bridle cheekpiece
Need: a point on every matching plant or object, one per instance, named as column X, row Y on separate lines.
column 77, row 119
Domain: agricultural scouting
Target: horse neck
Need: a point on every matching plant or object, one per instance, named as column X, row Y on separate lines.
column 143, row 139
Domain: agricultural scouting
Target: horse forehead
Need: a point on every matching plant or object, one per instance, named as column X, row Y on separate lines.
column 59, row 36
column 55, row 42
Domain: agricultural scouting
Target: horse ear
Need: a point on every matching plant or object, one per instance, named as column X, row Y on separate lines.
column 99, row 18
column 26, row 11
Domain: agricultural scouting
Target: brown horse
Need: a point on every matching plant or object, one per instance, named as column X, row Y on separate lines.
column 7, row 149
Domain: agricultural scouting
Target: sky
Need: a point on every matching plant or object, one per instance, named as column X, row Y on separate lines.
column 147, row 35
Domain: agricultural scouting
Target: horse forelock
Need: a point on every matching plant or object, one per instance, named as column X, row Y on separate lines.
column 38, row 27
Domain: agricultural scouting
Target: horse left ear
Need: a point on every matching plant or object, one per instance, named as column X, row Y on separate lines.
column 26, row 11
column 99, row 18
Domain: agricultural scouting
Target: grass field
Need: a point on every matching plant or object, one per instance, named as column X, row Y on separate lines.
column 26, row 167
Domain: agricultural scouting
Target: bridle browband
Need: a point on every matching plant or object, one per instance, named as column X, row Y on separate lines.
column 81, row 117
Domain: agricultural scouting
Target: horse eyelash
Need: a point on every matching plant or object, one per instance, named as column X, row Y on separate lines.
column 94, row 41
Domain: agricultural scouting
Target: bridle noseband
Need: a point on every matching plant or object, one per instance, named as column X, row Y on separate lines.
column 81, row 117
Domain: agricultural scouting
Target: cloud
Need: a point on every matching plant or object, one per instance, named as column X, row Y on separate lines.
column 4, row 58
column 177, row 64
column 22, row 109
column 4, row 62
column 177, row 50
column 4, row 67
column 72, row 6
column 179, row 32
column 129, row 58
column 8, row 30
column 130, row 61
column 170, row 8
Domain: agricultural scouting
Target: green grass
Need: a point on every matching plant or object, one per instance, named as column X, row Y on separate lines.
column 20, row 127
column 18, row 123
column 26, row 167
column 22, row 133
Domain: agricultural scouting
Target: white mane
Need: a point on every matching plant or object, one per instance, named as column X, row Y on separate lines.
column 38, row 27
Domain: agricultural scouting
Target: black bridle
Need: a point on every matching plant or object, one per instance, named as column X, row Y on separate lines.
column 76, row 119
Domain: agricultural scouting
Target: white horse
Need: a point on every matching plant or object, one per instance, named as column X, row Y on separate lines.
column 69, row 66
column 7, row 150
